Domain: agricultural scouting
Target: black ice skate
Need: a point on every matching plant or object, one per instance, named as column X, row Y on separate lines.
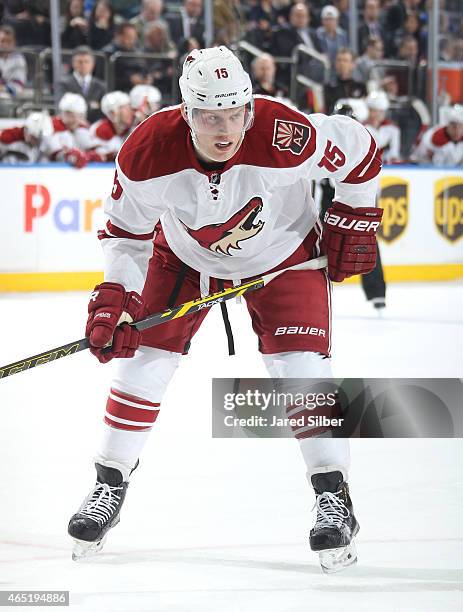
column 100, row 510
column 335, row 527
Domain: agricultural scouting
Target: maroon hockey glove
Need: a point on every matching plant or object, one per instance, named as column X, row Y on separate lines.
column 109, row 305
column 349, row 240
column 75, row 157
column 93, row 156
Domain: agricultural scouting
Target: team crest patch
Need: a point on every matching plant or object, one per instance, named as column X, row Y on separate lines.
column 225, row 237
column 290, row 136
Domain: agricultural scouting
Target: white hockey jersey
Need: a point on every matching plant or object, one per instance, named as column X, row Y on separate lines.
column 387, row 136
column 436, row 147
column 15, row 150
column 105, row 139
column 64, row 139
column 246, row 218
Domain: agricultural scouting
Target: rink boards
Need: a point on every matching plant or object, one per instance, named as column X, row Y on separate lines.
column 49, row 216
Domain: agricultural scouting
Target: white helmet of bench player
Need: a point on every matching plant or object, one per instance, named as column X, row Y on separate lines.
column 112, row 102
column 455, row 114
column 73, row 103
column 214, row 80
column 378, row 100
column 145, row 98
column 39, row 125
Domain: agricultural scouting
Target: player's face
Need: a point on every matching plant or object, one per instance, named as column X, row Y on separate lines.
column 219, row 132
column 376, row 116
column 344, row 65
column 31, row 140
column 455, row 130
column 122, row 118
column 70, row 120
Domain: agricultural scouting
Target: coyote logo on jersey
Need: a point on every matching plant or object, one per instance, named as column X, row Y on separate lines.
column 290, row 136
column 221, row 237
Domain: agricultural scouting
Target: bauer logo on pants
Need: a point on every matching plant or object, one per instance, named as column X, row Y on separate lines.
column 448, row 207
column 394, row 200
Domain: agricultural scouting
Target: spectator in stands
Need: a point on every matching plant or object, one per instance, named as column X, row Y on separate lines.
column 412, row 27
column 397, row 11
column 395, row 15
column 101, row 25
column 262, row 37
column 129, row 71
column 229, row 21
column 343, row 84
column 409, row 50
column 151, row 12
column 76, row 25
column 81, row 81
column 262, row 10
column 188, row 23
column 160, row 72
column 297, row 32
column 263, row 70
column 13, row 67
column 370, row 26
column 157, row 39
column 343, row 8
column 31, row 23
column 457, row 50
column 365, row 67
column 126, row 9
column 282, row 10
column 445, row 49
column 329, row 37
column 443, row 145
column 188, row 45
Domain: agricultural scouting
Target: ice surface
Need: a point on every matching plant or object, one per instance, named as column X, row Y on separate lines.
column 215, row 525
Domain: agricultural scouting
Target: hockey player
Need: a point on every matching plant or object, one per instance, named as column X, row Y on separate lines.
column 373, row 283
column 229, row 177
column 25, row 144
column 385, row 132
column 109, row 134
column 144, row 100
column 71, row 141
column 443, row 145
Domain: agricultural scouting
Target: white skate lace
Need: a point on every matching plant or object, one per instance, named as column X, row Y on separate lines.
column 331, row 510
column 101, row 503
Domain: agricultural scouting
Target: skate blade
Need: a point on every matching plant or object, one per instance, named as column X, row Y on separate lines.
column 337, row 559
column 86, row 550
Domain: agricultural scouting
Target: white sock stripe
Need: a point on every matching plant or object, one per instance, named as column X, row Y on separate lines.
column 116, row 398
column 126, row 422
column 292, row 410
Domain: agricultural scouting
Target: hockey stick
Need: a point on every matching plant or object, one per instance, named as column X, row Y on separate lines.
column 161, row 317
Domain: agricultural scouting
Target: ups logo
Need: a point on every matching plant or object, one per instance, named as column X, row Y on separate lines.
column 393, row 199
column 448, row 207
